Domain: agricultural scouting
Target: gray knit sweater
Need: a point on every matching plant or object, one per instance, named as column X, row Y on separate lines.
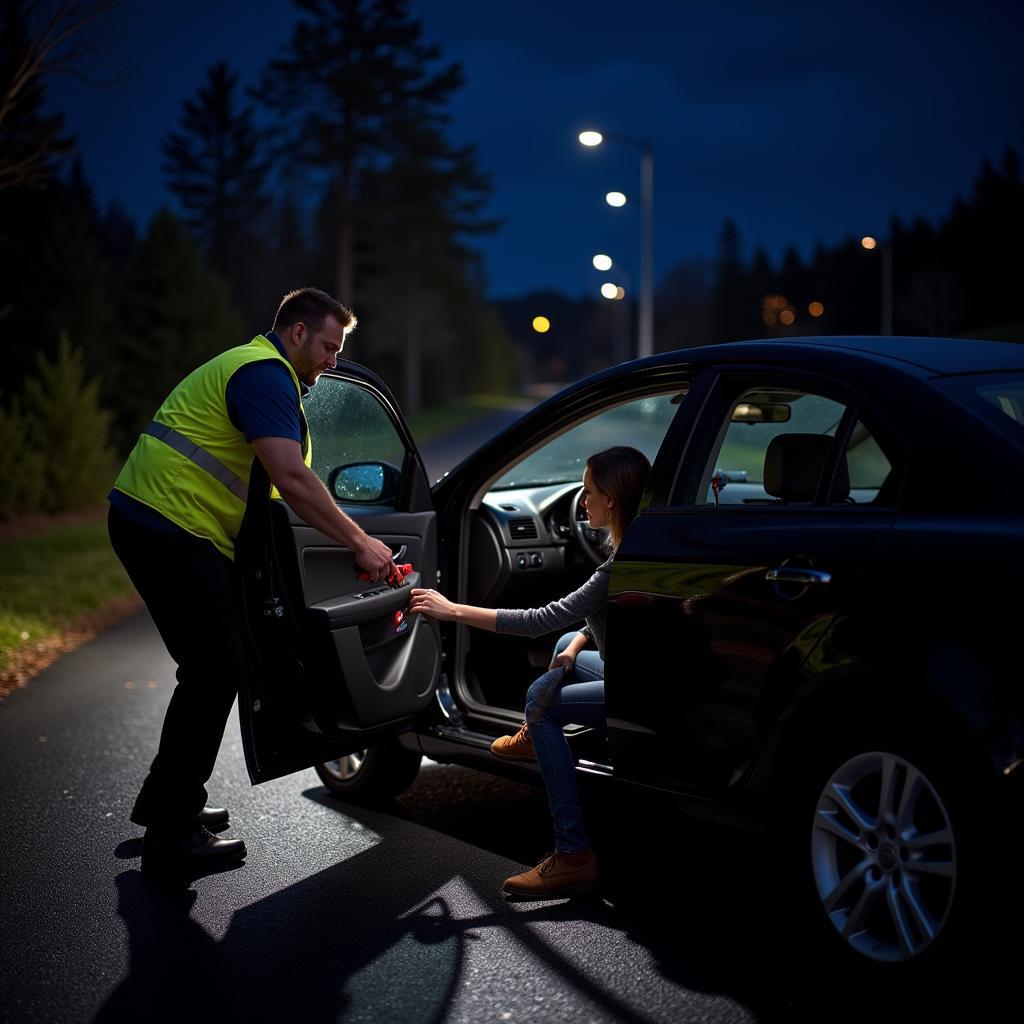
column 589, row 602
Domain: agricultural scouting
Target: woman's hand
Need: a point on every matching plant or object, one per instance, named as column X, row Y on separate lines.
column 432, row 604
column 566, row 660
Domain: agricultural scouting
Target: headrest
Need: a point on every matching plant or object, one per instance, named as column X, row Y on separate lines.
column 793, row 466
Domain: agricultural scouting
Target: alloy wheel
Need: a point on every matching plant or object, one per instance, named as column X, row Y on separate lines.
column 345, row 769
column 884, row 857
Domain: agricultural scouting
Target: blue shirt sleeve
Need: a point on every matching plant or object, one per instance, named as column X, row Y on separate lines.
column 262, row 402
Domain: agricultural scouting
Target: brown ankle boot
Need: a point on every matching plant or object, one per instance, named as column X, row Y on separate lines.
column 515, row 748
column 561, row 874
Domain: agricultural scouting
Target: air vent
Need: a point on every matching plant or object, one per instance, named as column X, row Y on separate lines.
column 522, row 529
column 509, row 508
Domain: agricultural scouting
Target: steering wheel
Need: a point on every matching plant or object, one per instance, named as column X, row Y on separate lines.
column 590, row 540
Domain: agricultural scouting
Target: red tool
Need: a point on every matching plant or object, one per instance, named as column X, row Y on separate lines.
column 395, row 579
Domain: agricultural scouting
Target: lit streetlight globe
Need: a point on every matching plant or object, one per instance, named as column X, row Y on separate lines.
column 868, row 242
column 541, row 324
column 609, row 290
column 620, row 292
column 591, row 138
column 602, row 262
column 615, row 199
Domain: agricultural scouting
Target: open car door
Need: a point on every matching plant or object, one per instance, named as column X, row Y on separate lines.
column 333, row 665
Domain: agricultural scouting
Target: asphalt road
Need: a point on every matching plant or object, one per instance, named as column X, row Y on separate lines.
column 348, row 914
column 339, row 913
column 444, row 452
column 393, row 914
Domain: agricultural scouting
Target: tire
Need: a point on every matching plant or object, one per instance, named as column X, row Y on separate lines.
column 376, row 775
column 884, row 844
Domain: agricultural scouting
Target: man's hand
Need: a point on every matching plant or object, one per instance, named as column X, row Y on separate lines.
column 308, row 497
column 374, row 557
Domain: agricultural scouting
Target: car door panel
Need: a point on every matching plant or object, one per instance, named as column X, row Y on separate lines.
column 720, row 638
column 332, row 663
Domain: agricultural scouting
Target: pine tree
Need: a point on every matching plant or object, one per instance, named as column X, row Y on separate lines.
column 53, row 279
column 355, row 73
column 22, row 467
column 70, row 430
column 420, row 207
column 215, row 167
column 172, row 315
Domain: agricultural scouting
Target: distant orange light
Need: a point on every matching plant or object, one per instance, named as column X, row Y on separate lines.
column 786, row 317
column 868, row 242
column 768, row 316
column 815, row 309
column 541, row 324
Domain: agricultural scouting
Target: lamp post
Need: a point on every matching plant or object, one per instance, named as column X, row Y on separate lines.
column 886, row 253
column 646, row 332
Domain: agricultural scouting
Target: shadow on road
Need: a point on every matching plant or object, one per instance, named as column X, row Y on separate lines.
column 384, row 934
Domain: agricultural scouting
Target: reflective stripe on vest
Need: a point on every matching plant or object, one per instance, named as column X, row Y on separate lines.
column 200, row 456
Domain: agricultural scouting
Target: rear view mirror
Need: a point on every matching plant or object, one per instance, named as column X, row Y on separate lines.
column 364, row 482
column 762, row 412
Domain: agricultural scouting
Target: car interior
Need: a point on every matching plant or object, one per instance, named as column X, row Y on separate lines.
column 529, row 544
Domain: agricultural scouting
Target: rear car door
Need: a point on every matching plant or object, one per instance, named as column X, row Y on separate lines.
column 718, row 596
column 332, row 663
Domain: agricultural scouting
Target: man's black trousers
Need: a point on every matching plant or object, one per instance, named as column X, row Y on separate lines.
column 187, row 586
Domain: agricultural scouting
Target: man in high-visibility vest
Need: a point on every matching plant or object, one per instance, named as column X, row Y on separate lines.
column 175, row 512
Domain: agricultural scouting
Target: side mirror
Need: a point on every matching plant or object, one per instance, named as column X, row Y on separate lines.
column 365, row 482
column 762, row 412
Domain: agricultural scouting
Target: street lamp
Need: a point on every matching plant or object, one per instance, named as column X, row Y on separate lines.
column 591, row 139
column 870, row 244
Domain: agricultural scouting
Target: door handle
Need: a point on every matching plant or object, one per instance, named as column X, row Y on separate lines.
column 801, row 576
column 399, row 555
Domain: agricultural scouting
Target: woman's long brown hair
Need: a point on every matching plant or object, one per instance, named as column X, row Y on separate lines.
column 621, row 473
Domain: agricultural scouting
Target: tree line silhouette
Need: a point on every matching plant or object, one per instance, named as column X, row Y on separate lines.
column 336, row 170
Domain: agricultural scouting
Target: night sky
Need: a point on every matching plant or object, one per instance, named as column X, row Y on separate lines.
column 804, row 122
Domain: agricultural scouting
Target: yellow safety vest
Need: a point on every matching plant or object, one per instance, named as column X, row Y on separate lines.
column 191, row 464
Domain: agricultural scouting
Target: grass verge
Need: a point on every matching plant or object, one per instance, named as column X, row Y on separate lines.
column 58, row 587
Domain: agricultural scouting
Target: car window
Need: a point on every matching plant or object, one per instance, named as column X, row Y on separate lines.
column 997, row 398
column 777, row 430
column 352, row 436
column 641, row 423
column 867, row 467
column 774, row 444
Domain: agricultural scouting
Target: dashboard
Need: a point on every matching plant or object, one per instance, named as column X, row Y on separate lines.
column 523, row 537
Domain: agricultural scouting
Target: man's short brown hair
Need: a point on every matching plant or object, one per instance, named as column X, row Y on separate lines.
column 312, row 307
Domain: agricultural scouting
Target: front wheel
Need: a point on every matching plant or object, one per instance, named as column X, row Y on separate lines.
column 377, row 774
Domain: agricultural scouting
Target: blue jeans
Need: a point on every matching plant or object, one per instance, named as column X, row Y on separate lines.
column 556, row 699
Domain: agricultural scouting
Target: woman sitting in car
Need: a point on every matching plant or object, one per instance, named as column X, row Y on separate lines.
column 572, row 690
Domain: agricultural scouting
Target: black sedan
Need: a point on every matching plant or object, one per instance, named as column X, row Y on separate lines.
column 812, row 621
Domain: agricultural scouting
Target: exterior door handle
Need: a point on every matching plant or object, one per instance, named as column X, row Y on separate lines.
column 801, row 576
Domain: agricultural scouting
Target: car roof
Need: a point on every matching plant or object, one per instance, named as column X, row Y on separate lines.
column 936, row 355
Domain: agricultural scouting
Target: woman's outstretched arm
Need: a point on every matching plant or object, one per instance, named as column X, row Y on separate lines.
column 437, row 606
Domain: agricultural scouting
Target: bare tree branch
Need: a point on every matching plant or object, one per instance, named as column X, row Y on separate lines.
column 38, row 41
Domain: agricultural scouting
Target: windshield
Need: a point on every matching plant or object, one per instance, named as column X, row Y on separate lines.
column 641, row 424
